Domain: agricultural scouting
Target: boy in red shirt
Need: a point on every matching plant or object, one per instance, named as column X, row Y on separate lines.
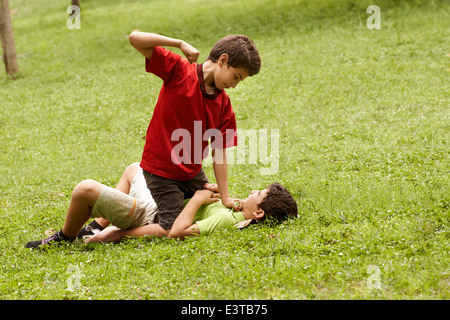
column 192, row 107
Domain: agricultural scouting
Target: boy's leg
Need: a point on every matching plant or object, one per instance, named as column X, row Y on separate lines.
column 168, row 197
column 114, row 234
column 84, row 196
column 83, row 199
column 124, row 186
column 197, row 183
column 100, row 223
column 127, row 177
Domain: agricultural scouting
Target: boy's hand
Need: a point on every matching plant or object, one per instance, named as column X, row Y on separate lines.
column 189, row 51
column 227, row 202
column 211, row 187
column 206, row 196
column 231, row 203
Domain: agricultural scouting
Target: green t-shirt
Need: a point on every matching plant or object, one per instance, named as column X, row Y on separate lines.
column 214, row 216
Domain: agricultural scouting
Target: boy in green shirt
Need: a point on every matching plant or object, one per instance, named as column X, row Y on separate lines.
column 132, row 210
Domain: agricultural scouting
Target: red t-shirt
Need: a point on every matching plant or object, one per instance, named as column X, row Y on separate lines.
column 183, row 119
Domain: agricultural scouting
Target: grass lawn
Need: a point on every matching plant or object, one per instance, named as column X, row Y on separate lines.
column 363, row 123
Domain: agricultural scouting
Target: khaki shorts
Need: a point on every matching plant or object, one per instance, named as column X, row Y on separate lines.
column 126, row 211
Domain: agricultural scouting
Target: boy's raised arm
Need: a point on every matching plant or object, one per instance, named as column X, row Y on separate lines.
column 144, row 42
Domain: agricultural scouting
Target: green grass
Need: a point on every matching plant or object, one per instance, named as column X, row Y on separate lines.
column 363, row 117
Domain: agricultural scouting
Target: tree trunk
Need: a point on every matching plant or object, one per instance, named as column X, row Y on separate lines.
column 7, row 39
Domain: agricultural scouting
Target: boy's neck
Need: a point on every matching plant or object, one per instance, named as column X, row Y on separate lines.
column 209, row 69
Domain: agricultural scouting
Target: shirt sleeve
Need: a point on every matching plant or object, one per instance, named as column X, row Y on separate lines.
column 163, row 63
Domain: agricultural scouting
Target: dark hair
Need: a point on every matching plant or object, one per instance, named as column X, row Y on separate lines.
column 241, row 51
column 278, row 205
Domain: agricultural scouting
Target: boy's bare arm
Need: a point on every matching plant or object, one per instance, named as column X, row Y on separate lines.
column 183, row 225
column 144, row 42
column 221, row 172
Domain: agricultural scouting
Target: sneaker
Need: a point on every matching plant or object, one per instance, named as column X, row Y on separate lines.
column 87, row 231
column 56, row 238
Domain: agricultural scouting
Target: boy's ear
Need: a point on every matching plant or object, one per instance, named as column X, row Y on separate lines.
column 223, row 59
column 258, row 214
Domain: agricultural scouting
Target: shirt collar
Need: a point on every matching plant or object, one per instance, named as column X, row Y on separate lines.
column 201, row 81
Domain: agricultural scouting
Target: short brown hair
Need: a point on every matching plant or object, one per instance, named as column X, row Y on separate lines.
column 241, row 51
column 278, row 204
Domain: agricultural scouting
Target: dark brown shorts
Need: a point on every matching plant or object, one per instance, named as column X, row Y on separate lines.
column 169, row 195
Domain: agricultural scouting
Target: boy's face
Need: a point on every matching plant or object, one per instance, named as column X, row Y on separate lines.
column 226, row 76
column 252, row 202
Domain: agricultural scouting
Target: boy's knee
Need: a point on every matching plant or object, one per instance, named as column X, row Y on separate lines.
column 85, row 187
column 131, row 170
column 134, row 166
